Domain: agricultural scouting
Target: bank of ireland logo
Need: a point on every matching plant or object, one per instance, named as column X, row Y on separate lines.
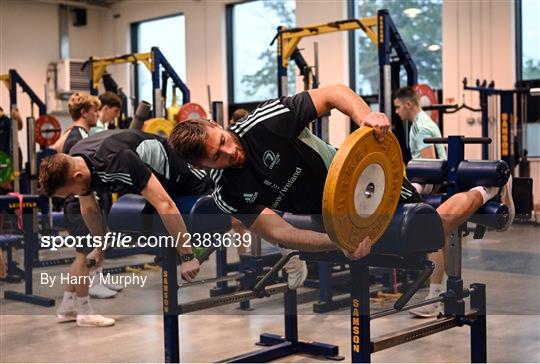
column 270, row 159
column 250, row 197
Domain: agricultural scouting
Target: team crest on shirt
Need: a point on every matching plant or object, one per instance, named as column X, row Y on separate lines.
column 270, row 159
column 250, row 197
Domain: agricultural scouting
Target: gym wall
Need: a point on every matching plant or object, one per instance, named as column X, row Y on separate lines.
column 478, row 42
column 206, row 59
column 29, row 40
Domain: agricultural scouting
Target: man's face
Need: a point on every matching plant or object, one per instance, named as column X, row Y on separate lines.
column 76, row 185
column 403, row 109
column 223, row 150
column 90, row 116
column 109, row 114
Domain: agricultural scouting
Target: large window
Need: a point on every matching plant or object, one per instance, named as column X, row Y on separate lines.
column 169, row 35
column 529, row 54
column 419, row 24
column 528, row 72
column 253, row 66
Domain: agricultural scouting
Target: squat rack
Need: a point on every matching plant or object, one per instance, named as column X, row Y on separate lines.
column 383, row 32
column 154, row 61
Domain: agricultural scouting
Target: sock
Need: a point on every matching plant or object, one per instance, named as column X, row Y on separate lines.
column 284, row 251
column 83, row 305
column 423, row 189
column 434, row 290
column 418, row 187
column 68, row 300
column 487, row 192
column 444, row 280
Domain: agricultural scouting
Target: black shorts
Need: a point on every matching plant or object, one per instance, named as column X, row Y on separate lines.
column 74, row 222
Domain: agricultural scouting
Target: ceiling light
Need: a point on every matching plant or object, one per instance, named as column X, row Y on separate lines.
column 434, row 47
column 412, row 12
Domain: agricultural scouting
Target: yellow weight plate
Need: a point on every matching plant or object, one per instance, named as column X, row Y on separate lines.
column 159, row 126
column 362, row 188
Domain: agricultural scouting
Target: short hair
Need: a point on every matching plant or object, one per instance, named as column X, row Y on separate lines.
column 110, row 99
column 54, row 173
column 80, row 101
column 238, row 114
column 407, row 94
column 188, row 139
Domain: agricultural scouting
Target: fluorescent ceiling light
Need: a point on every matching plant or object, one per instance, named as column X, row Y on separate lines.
column 412, row 12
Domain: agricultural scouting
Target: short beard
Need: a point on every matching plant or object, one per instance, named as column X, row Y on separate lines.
column 240, row 149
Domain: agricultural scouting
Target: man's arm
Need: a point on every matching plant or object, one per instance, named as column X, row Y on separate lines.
column 91, row 214
column 17, row 117
column 428, row 153
column 154, row 193
column 272, row 227
column 349, row 103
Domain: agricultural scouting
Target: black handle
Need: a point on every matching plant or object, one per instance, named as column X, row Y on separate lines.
column 204, row 256
column 464, row 140
column 415, row 286
column 440, row 107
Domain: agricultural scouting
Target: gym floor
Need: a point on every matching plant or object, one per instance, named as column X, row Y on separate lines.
column 508, row 263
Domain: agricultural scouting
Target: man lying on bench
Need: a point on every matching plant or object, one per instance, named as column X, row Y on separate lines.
column 270, row 160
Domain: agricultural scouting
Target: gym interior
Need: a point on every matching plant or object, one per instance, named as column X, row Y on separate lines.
column 442, row 95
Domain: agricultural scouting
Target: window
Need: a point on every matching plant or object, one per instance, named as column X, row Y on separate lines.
column 528, row 13
column 419, row 24
column 169, row 35
column 253, row 66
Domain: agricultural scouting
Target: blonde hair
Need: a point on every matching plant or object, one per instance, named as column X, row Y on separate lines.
column 79, row 102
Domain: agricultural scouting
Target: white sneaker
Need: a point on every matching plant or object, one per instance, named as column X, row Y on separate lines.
column 508, row 200
column 432, row 310
column 296, row 272
column 94, row 321
column 66, row 314
column 100, row 291
column 114, row 287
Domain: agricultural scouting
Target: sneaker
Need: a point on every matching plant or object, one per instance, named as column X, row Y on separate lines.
column 508, row 200
column 296, row 272
column 100, row 291
column 94, row 321
column 114, row 287
column 66, row 314
column 432, row 310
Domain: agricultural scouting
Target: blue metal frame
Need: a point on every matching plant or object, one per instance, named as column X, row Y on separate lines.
column 507, row 114
column 16, row 79
column 31, row 243
column 158, row 60
column 390, row 39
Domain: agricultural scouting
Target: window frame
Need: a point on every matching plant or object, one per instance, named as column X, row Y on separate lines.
column 229, row 27
column 134, row 33
column 519, row 49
